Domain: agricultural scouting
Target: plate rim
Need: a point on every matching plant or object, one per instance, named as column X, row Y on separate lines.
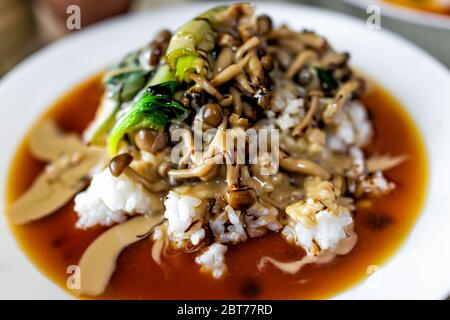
column 25, row 66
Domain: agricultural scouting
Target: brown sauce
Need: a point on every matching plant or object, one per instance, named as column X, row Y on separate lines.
column 423, row 5
column 53, row 243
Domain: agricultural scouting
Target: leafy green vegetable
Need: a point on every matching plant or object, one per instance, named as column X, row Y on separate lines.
column 120, row 85
column 124, row 85
column 154, row 110
column 197, row 34
column 121, row 82
column 327, row 81
column 131, row 60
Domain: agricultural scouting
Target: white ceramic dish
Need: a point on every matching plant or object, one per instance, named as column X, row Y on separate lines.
column 418, row 270
column 430, row 31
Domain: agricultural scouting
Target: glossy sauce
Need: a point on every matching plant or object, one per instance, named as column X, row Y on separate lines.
column 423, row 5
column 53, row 243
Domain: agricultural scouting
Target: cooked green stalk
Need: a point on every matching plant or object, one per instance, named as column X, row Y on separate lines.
column 121, row 84
column 154, row 110
column 189, row 45
column 162, row 75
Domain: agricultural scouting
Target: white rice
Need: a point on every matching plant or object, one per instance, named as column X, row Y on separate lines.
column 110, row 199
column 326, row 233
column 212, row 260
column 319, row 222
column 291, row 115
column 182, row 212
column 352, row 128
column 376, row 184
column 259, row 219
column 358, row 162
column 286, row 109
column 227, row 226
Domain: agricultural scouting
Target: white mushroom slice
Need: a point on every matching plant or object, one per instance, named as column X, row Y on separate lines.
column 160, row 243
column 344, row 247
column 47, row 142
column 384, row 163
column 340, row 162
column 56, row 185
column 98, row 262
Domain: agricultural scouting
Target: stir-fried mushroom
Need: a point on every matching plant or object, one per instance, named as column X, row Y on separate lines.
column 239, row 198
column 237, row 100
column 345, row 93
column 224, row 59
column 345, row 246
column 120, row 164
column 99, row 260
column 211, row 158
column 65, row 176
column 301, row 59
column 226, row 75
column 384, row 163
column 47, row 142
column 197, row 172
column 298, row 129
column 160, row 243
column 302, row 166
column 201, row 82
column 248, row 45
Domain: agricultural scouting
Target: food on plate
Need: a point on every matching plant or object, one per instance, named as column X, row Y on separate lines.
column 231, row 149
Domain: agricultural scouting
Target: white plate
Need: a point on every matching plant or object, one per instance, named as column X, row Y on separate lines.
column 406, row 14
column 420, row 269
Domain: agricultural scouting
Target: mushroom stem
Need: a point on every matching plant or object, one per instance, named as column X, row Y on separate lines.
column 237, row 101
column 298, row 63
column 224, row 59
column 242, row 79
column 232, row 174
column 226, row 75
column 346, row 92
column 120, row 164
column 196, row 172
column 255, row 69
column 298, row 129
column 302, row 166
column 203, row 84
column 248, row 45
column 159, row 186
column 384, row 163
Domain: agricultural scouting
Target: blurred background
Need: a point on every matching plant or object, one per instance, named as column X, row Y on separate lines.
column 28, row 25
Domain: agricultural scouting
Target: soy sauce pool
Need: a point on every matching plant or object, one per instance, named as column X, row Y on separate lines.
column 53, row 243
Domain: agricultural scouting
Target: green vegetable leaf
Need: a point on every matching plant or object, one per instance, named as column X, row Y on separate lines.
column 131, row 60
column 154, row 110
column 327, row 81
column 120, row 85
column 123, row 85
